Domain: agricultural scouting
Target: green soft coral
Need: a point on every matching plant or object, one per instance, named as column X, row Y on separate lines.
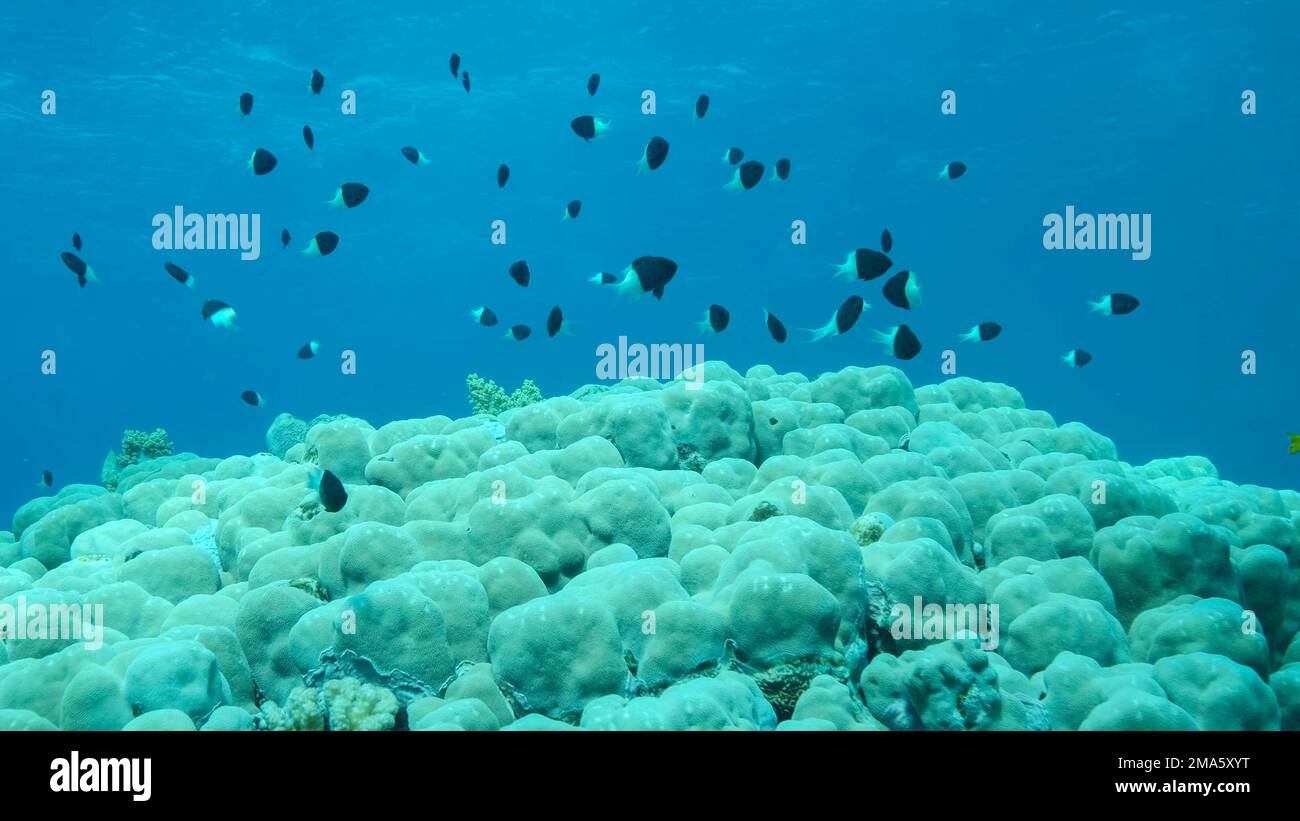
column 137, row 446
column 486, row 396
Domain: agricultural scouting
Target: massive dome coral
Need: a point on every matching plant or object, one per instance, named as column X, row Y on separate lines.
column 660, row 556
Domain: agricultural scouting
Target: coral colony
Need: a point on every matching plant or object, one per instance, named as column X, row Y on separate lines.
column 764, row 550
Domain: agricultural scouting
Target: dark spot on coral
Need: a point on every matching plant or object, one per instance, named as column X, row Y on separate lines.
column 772, row 421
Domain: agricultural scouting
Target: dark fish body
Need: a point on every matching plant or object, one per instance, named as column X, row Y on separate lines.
column 47, row 478
column 952, row 170
column 1123, row 304
column 716, row 319
column 901, row 341
column 413, row 154
column 332, row 495
column 1077, row 358
column 484, row 317
column 588, row 127
column 503, row 174
column 350, row 195
column 865, row 264
column 701, row 106
column 593, row 83
column 653, row 273
column 1116, row 304
column 748, row 175
column 219, row 314
column 79, row 267
column 455, row 65
column 245, row 103
column 848, row 313
column 519, row 273
column 76, row 241
column 309, row 350
column 783, row 169
column 180, row 274
column 733, row 156
column 212, row 307
column 775, row 327
column 317, row 81
column 573, row 209
column 308, row 137
column 886, row 241
column 323, row 244
column 656, row 151
column 464, row 81
column 252, row 398
column 903, row 290
column 554, row 321
column 284, row 238
column 982, row 332
column 74, row 263
column 262, row 162
column 519, row 332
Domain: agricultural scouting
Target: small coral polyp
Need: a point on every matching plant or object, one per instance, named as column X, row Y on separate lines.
column 763, row 551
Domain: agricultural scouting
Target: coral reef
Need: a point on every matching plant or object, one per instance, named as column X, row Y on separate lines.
column 757, row 553
column 137, row 446
column 487, row 397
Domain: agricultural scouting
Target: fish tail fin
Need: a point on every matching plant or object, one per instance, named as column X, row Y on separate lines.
column 189, row 283
column 885, row 337
column 815, row 334
column 970, row 336
column 600, row 126
column 90, row 275
column 642, row 166
column 734, row 185
column 337, row 202
column 1099, row 306
column 630, row 285
column 313, row 478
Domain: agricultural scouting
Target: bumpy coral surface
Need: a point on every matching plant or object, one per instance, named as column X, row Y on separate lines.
column 765, row 551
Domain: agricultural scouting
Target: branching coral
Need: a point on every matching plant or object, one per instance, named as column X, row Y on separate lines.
column 486, row 396
column 137, row 446
column 341, row 704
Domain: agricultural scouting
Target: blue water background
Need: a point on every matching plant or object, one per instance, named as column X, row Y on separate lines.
column 1059, row 103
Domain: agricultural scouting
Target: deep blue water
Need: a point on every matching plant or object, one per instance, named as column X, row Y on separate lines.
column 1059, row 103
